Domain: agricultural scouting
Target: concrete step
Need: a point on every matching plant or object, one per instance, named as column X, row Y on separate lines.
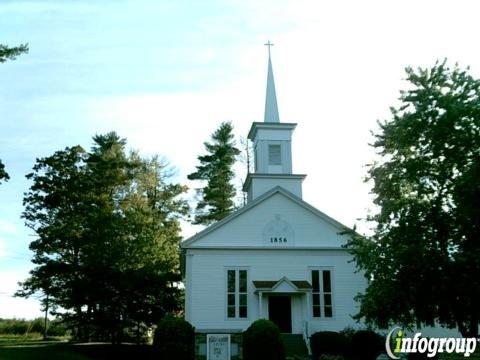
column 295, row 346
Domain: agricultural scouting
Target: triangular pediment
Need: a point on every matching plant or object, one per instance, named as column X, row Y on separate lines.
column 278, row 219
column 284, row 286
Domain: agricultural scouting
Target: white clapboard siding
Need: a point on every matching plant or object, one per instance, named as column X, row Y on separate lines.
column 206, row 285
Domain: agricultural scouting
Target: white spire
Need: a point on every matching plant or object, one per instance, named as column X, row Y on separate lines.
column 271, row 107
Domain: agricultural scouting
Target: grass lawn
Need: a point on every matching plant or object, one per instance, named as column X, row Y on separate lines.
column 474, row 356
column 33, row 347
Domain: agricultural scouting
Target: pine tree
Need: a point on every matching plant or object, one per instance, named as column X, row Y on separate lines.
column 216, row 169
column 8, row 53
column 3, row 173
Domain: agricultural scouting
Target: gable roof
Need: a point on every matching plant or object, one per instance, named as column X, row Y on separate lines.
column 276, row 190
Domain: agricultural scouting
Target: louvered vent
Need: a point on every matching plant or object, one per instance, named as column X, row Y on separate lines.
column 274, row 155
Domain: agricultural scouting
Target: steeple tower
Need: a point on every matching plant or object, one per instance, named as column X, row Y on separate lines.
column 271, row 106
column 272, row 142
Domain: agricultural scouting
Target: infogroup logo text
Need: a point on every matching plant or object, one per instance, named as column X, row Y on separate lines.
column 430, row 346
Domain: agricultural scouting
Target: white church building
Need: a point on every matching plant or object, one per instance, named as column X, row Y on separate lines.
column 276, row 258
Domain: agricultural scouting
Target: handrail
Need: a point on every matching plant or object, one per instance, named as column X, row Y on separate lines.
column 306, row 337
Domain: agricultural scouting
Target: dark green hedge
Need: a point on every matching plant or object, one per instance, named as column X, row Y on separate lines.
column 262, row 341
column 174, row 339
column 366, row 345
column 353, row 345
column 328, row 343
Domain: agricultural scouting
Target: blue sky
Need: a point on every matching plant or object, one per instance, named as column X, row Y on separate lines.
column 164, row 74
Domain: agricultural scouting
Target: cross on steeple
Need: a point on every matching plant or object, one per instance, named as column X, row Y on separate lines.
column 269, row 44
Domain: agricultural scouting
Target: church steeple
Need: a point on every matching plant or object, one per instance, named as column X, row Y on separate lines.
column 272, row 142
column 271, row 106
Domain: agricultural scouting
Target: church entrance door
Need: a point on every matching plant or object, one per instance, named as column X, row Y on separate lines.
column 280, row 312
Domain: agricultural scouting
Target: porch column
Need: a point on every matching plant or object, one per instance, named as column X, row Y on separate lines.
column 307, row 310
column 260, row 310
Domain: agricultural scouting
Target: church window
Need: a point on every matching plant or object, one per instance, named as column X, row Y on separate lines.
column 322, row 305
column 231, row 294
column 274, row 155
column 237, row 293
column 316, row 294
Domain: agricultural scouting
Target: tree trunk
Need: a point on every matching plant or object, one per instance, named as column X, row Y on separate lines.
column 45, row 324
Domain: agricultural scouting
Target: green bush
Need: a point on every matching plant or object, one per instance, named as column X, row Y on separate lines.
column 174, row 339
column 348, row 333
column 37, row 326
column 328, row 343
column 23, row 327
column 14, row 326
column 56, row 328
column 366, row 345
column 262, row 341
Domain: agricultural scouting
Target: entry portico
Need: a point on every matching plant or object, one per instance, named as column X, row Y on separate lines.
column 284, row 302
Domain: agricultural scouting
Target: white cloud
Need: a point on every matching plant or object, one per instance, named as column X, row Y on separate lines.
column 7, row 227
column 13, row 240
column 3, row 250
column 10, row 306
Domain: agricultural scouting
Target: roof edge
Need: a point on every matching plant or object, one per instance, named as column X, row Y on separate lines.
column 271, row 285
column 289, row 248
column 250, row 176
column 268, row 125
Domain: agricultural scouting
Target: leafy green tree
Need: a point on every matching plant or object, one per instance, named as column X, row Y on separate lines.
column 423, row 259
column 10, row 53
column 3, row 173
column 216, row 197
column 56, row 210
column 107, row 238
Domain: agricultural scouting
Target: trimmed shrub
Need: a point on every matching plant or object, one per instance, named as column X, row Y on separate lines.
column 366, row 345
column 174, row 339
column 262, row 340
column 348, row 333
column 328, row 343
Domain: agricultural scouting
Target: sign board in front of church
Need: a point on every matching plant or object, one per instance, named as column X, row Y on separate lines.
column 218, row 347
